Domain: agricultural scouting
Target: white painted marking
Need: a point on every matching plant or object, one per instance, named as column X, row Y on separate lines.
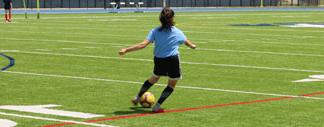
column 219, row 50
column 114, row 35
column 149, row 27
column 203, row 32
column 44, row 50
column 262, row 52
column 253, row 67
column 317, row 76
column 283, row 30
column 305, row 25
column 309, row 80
column 64, row 41
column 294, row 44
column 209, row 25
column 117, row 46
column 42, row 109
column 254, row 34
column 96, row 43
column 9, row 51
column 178, row 86
column 289, row 16
column 56, row 120
column 184, row 62
column 9, row 22
column 112, row 20
column 69, row 48
column 228, row 40
column 7, row 123
column 206, row 49
column 312, row 78
column 180, row 15
column 89, row 47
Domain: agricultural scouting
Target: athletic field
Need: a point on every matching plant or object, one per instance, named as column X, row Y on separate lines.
column 243, row 73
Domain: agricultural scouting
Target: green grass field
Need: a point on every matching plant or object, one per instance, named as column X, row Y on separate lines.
column 72, row 60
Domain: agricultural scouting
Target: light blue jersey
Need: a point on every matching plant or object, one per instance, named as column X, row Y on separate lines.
column 166, row 43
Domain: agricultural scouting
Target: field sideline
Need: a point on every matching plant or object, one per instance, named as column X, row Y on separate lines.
column 238, row 76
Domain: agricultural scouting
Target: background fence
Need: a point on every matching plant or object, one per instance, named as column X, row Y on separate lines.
column 159, row 3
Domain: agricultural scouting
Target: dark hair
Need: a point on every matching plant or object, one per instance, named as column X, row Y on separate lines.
column 166, row 19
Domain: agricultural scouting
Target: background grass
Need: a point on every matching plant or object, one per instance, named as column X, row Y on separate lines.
column 104, row 34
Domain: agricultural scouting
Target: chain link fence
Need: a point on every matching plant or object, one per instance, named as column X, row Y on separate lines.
column 169, row 3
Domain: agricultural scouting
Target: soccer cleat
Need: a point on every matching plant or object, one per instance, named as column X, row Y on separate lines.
column 136, row 100
column 160, row 110
column 157, row 108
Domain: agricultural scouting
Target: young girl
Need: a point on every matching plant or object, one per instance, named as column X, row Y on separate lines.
column 7, row 7
column 166, row 39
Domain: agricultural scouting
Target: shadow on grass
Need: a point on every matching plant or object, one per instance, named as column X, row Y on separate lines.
column 134, row 110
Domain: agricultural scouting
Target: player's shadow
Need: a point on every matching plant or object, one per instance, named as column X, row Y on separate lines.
column 133, row 110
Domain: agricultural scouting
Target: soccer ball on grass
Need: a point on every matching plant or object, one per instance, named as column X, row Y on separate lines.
column 147, row 100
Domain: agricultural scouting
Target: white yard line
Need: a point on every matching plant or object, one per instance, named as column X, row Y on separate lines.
column 285, row 43
column 208, row 40
column 283, row 30
column 79, row 34
column 56, row 120
column 7, row 123
column 253, row 67
column 69, row 48
column 149, row 28
column 185, row 87
column 179, row 15
column 91, row 47
column 205, row 49
column 115, row 35
column 117, row 19
column 205, row 25
column 262, row 40
column 44, row 50
column 65, row 41
column 149, row 60
column 309, row 80
column 262, row 52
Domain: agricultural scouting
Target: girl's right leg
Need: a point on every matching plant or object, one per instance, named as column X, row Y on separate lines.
column 9, row 15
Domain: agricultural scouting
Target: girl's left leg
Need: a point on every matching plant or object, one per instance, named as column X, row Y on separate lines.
column 6, row 15
column 165, row 94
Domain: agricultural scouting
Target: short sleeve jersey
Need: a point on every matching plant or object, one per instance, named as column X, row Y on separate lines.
column 166, row 42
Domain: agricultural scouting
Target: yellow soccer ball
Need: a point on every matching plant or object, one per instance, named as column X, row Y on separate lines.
column 147, row 100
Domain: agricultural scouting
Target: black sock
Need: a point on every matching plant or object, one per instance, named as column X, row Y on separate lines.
column 165, row 94
column 147, row 85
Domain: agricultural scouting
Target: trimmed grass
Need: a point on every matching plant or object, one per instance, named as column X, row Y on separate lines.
column 264, row 59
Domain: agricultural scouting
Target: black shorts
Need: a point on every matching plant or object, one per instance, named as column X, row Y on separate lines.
column 7, row 5
column 169, row 66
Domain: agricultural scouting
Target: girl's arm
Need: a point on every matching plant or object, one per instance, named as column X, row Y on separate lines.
column 139, row 46
column 190, row 44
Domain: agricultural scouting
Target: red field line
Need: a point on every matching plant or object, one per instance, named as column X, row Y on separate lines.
column 185, row 109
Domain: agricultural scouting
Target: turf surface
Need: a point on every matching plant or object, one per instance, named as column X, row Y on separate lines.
column 72, row 60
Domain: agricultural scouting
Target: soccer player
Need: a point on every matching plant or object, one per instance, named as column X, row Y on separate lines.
column 7, row 7
column 167, row 39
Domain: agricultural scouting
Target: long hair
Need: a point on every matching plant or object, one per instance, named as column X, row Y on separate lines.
column 166, row 19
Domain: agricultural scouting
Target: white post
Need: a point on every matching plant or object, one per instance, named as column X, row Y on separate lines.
column 164, row 3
